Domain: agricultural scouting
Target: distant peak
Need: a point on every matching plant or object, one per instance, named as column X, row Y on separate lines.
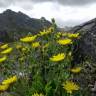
column 20, row 12
column 8, row 11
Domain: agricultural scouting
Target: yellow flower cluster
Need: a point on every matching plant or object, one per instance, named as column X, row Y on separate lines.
column 5, row 83
column 5, row 49
column 36, row 94
column 58, row 57
column 28, row 38
column 67, row 34
column 73, row 35
column 64, row 41
column 70, row 86
column 46, row 32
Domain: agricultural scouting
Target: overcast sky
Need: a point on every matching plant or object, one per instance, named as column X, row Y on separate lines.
column 65, row 12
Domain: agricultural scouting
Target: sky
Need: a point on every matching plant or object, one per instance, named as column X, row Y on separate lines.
column 65, row 12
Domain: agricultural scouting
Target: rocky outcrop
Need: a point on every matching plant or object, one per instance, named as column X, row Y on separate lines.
column 87, row 42
column 84, row 54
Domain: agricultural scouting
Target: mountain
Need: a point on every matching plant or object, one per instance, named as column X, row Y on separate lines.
column 14, row 25
column 87, row 42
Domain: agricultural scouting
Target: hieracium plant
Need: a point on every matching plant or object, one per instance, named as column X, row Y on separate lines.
column 40, row 64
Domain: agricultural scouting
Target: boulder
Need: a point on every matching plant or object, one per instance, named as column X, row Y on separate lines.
column 86, row 46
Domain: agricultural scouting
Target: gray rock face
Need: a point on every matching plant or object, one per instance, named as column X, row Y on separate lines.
column 87, row 43
column 86, row 48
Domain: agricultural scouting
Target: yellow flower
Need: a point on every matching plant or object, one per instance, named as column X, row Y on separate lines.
column 21, row 59
column 58, row 57
column 64, row 34
column 2, row 59
column 4, row 46
column 73, row 35
column 76, row 70
column 28, row 39
column 70, row 53
column 58, row 35
column 35, row 44
column 51, row 29
column 10, row 80
column 36, row 94
column 46, row 45
column 6, row 51
column 70, row 86
column 24, row 49
column 45, row 32
column 3, row 87
column 18, row 46
column 64, row 41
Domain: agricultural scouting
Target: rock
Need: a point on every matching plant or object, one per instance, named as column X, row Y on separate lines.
column 87, row 42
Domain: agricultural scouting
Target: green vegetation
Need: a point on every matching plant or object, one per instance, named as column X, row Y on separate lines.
column 40, row 65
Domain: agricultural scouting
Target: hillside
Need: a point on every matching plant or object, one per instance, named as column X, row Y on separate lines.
column 14, row 25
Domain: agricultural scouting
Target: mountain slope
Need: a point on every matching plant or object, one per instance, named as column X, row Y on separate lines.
column 14, row 25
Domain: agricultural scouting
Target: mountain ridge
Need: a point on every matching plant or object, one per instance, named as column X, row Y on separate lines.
column 14, row 25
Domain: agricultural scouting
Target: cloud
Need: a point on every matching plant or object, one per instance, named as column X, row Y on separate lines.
column 66, row 12
column 68, row 2
column 75, row 2
column 64, row 15
column 6, row 3
column 69, row 23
